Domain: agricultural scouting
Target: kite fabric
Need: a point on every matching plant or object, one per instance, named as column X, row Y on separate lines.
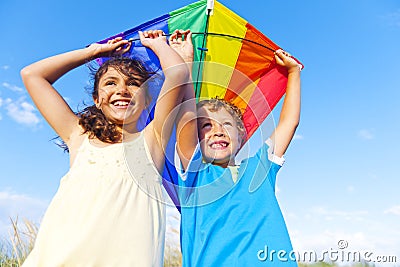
column 233, row 61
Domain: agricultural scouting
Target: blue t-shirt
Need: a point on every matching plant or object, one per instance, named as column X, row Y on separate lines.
column 227, row 223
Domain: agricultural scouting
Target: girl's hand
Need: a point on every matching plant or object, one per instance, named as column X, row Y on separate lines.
column 284, row 59
column 181, row 42
column 114, row 47
column 152, row 38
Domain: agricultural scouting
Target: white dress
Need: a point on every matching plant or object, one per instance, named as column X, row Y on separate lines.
column 108, row 211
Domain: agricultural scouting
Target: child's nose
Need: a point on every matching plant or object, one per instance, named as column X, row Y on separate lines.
column 123, row 91
column 219, row 130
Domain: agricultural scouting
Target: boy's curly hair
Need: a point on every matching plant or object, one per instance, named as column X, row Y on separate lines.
column 216, row 103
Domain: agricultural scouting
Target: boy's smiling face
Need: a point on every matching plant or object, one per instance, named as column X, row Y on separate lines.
column 219, row 136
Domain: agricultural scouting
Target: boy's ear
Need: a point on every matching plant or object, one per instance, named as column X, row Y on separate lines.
column 242, row 138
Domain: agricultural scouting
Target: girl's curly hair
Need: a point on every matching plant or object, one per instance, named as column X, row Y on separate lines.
column 91, row 118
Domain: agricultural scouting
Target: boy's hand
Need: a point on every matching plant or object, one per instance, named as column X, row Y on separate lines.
column 152, row 38
column 181, row 42
column 284, row 59
column 114, row 47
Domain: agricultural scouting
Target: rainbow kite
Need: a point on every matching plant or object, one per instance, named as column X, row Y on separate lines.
column 234, row 60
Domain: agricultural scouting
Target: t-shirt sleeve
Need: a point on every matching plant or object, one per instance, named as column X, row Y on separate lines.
column 271, row 156
column 187, row 178
column 264, row 164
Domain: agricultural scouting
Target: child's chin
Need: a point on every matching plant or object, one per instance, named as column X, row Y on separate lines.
column 219, row 161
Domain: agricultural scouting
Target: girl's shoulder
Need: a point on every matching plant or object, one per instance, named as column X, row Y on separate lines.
column 154, row 148
column 75, row 142
column 76, row 139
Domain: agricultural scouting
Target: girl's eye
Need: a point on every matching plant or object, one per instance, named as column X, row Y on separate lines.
column 110, row 83
column 133, row 84
column 228, row 123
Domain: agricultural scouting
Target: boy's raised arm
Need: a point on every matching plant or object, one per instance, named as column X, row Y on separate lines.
column 290, row 113
column 186, row 122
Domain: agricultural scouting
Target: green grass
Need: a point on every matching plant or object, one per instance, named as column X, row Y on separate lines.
column 14, row 251
column 172, row 256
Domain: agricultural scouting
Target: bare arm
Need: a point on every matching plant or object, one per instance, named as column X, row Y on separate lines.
column 186, row 121
column 171, row 94
column 290, row 113
column 187, row 136
column 39, row 77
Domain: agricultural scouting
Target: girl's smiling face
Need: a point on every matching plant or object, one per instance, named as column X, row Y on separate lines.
column 219, row 136
column 120, row 98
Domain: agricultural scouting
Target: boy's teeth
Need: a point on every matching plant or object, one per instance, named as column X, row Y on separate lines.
column 218, row 145
column 121, row 103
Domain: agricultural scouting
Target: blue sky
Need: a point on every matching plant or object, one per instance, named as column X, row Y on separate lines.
column 339, row 181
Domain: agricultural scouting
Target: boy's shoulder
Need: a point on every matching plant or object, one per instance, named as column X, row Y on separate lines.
column 265, row 154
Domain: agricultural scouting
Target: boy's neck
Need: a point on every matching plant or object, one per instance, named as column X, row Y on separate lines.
column 225, row 164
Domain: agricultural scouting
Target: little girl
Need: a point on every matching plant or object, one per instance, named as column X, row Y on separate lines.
column 108, row 210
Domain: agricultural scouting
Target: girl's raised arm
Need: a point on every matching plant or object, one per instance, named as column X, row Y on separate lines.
column 39, row 77
column 171, row 95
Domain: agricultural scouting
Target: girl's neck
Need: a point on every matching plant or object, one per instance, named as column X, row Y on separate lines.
column 128, row 132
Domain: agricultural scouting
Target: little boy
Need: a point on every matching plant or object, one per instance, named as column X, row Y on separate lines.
column 229, row 214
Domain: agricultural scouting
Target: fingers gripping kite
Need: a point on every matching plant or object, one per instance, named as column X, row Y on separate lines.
column 252, row 76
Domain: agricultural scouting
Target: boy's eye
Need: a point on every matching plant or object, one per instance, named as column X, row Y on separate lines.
column 228, row 123
column 205, row 125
